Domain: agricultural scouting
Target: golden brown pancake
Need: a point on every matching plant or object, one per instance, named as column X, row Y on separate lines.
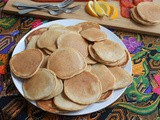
column 48, row 39
column 137, row 18
column 94, row 34
column 86, row 25
column 66, row 63
column 26, row 63
column 96, row 57
column 57, row 91
column 105, row 76
column 108, row 51
column 84, row 88
column 40, row 85
column 47, row 105
column 105, row 95
column 120, row 63
column 62, row 102
column 74, row 28
column 73, row 40
column 123, row 78
column 93, row 54
column 37, row 33
column 33, row 42
column 149, row 11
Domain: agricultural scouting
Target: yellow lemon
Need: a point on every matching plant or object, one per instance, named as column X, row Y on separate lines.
column 105, row 6
column 90, row 10
column 98, row 9
column 114, row 12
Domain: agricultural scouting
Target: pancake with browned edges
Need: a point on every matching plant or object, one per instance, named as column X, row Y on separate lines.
column 149, row 11
column 105, row 76
column 62, row 102
column 40, row 85
column 35, row 34
column 108, row 51
column 84, row 88
column 93, row 34
column 66, row 62
column 73, row 40
column 123, row 78
column 57, row 91
column 48, row 105
column 88, row 24
column 137, row 18
column 26, row 63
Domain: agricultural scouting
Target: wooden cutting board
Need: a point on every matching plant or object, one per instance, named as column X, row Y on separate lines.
column 120, row 23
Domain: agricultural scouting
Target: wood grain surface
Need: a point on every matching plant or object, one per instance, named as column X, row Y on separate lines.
column 120, row 23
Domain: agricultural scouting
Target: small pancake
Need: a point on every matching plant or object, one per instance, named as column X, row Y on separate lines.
column 57, row 91
column 93, row 54
column 47, row 105
column 33, row 42
column 48, row 39
column 97, row 58
column 74, row 28
column 26, row 63
column 84, row 88
column 40, row 85
column 73, row 40
column 36, row 33
column 105, row 95
column 120, row 63
column 123, row 78
column 62, row 102
column 66, row 62
column 105, row 76
column 94, row 34
column 108, row 51
column 149, row 11
column 137, row 18
column 86, row 25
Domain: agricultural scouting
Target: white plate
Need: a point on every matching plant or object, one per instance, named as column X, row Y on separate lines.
column 91, row 108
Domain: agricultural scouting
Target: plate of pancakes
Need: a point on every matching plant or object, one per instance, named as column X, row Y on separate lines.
column 71, row 67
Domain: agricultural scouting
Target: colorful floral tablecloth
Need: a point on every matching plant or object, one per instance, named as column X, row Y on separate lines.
column 140, row 101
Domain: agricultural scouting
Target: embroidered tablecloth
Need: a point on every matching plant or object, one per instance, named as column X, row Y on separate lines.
column 140, row 101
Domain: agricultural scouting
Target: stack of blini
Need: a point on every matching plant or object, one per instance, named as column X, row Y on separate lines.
column 69, row 68
column 146, row 13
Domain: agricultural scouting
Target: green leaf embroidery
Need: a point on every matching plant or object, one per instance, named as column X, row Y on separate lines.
column 1, row 63
column 133, row 93
column 138, row 38
column 7, row 22
column 139, row 55
column 140, row 110
column 145, row 66
column 158, row 48
column 156, row 57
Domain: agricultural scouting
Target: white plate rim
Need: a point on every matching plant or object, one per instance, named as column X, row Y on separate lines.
column 91, row 108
